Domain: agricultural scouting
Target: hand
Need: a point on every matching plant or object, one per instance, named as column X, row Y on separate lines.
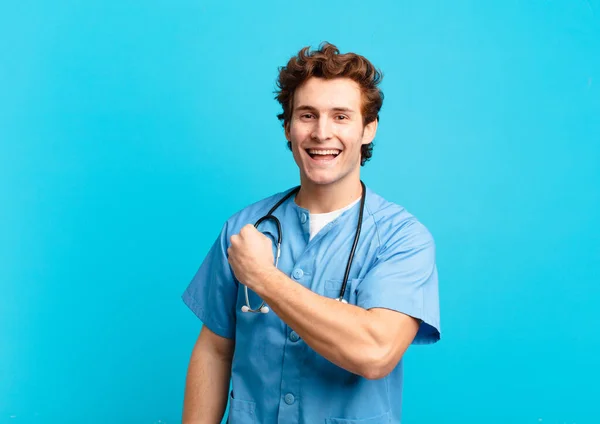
column 250, row 255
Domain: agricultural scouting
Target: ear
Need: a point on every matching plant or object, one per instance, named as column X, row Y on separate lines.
column 286, row 129
column 369, row 132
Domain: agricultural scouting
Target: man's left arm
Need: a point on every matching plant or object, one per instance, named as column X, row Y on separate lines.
column 369, row 343
column 368, row 339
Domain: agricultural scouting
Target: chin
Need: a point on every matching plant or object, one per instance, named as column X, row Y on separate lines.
column 321, row 180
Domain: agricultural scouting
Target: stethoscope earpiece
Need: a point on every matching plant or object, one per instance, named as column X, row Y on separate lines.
column 263, row 309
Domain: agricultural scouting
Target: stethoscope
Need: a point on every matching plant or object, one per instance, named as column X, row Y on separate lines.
column 269, row 216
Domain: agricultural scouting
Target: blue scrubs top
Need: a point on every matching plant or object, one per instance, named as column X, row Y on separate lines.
column 276, row 376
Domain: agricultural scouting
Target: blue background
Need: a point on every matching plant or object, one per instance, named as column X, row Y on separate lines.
column 129, row 132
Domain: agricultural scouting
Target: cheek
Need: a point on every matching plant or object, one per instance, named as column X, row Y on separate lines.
column 351, row 136
column 298, row 135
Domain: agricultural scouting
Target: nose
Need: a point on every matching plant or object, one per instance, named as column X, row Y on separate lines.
column 322, row 130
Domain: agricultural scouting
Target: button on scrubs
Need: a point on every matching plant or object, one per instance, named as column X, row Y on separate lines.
column 276, row 376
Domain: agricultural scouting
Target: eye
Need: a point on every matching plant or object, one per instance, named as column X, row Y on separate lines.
column 307, row 116
column 342, row 117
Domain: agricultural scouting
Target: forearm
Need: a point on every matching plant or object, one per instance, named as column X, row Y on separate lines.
column 344, row 334
column 207, row 387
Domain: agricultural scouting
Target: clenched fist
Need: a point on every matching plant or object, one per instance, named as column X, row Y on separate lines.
column 250, row 255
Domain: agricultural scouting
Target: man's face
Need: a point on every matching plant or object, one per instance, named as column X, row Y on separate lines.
column 326, row 130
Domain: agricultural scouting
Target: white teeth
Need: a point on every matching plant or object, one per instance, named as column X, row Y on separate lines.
column 323, row 152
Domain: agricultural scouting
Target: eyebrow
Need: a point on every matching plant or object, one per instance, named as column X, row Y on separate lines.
column 335, row 109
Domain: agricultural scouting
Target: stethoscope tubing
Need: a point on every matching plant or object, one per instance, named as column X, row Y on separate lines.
column 270, row 217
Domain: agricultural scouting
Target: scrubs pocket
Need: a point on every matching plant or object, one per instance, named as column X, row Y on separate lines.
column 241, row 411
column 380, row 419
column 333, row 288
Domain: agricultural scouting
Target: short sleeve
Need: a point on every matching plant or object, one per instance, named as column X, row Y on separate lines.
column 404, row 278
column 212, row 293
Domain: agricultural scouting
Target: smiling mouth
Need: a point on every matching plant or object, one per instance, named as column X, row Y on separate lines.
column 323, row 154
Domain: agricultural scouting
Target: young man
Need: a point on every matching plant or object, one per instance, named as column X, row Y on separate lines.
column 326, row 345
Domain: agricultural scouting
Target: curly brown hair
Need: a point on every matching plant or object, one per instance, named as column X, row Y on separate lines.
column 328, row 63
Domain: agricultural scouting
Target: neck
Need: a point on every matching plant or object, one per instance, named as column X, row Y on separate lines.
column 328, row 198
